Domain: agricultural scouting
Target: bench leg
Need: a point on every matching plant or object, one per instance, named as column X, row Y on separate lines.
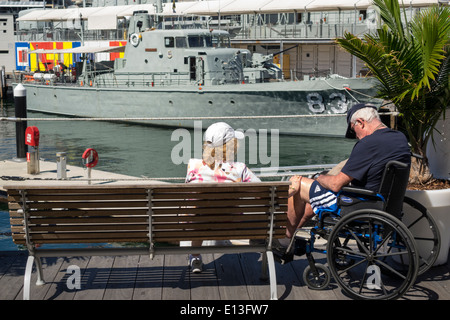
column 40, row 275
column 27, row 278
column 269, row 263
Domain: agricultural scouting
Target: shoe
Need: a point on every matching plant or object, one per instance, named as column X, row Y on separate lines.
column 196, row 264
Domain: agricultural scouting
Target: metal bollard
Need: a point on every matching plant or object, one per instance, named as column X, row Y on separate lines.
column 20, row 103
column 33, row 161
column 61, row 173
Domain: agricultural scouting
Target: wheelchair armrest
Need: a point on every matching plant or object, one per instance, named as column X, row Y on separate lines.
column 359, row 191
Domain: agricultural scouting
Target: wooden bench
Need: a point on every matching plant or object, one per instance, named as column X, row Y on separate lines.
column 158, row 213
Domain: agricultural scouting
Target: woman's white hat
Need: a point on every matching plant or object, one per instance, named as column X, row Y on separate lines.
column 220, row 133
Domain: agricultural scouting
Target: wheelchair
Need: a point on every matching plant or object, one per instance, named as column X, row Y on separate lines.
column 371, row 244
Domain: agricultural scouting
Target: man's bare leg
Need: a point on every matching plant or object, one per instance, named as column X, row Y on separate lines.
column 299, row 210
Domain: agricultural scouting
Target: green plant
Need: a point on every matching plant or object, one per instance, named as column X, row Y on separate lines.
column 411, row 60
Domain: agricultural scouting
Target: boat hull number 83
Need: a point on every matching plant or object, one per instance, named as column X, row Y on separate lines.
column 337, row 102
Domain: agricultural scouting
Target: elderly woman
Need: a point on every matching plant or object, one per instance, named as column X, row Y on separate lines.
column 220, row 144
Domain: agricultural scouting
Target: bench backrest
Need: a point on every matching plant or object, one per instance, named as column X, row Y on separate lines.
column 155, row 213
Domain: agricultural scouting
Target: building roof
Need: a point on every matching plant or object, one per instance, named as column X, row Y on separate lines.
column 213, row 7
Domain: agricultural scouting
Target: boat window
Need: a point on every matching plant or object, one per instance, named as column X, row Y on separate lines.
column 169, row 42
column 221, row 41
column 208, row 41
column 195, row 41
column 180, row 42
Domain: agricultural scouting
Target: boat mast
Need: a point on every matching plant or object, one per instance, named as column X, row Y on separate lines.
column 159, row 7
column 83, row 55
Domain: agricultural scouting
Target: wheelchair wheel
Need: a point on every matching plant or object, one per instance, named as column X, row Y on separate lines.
column 372, row 243
column 424, row 230
column 317, row 279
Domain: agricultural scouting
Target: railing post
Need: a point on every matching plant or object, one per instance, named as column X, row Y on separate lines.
column 20, row 103
column 150, row 221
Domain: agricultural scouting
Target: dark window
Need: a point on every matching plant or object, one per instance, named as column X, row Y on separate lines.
column 195, row 41
column 180, row 42
column 208, row 40
column 169, row 42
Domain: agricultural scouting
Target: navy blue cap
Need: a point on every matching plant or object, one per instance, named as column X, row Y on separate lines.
column 350, row 134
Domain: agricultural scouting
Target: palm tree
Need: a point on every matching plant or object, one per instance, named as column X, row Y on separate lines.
column 411, row 60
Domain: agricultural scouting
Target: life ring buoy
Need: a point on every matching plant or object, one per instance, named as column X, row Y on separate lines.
column 90, row 158
column 134, row 39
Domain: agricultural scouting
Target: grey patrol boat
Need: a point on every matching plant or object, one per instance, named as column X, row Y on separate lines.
column 175, row 77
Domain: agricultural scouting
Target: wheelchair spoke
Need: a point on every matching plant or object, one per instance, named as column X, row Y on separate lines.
column 358, row 241
column 385, row 240
column 352, row 266
column 361, row 286
column 391, row 254
column 388, row 267
column 425, row 239
column 409, row 226
column 350, row 251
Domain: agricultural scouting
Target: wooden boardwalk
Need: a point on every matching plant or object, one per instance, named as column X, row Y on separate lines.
column 225, row 277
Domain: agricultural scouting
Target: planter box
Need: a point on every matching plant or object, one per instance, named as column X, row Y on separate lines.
column 439, row 153
column 438, row 204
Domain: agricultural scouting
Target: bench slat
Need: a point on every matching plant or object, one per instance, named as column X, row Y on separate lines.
column 140, row 204
column 163, row 188
column 158, row 235
column 133, row 196
column 144, row 219
column 140, row 211
column 21, row 240
column 210, row 227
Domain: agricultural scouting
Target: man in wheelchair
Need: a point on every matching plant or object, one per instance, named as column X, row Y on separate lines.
column 376, row 146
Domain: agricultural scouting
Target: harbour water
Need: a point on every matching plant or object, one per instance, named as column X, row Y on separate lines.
column 153, row 152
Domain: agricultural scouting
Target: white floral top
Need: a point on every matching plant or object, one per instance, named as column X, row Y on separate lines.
column 198, row 171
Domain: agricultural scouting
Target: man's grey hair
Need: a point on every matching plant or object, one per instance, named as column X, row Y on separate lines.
column 367, row 114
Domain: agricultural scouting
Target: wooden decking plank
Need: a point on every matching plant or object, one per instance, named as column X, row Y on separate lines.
column 258, row 289
column 149, row 279
column 11, row 281
column 122, row 278
column 288, row 282
column 230, row 278
column 6, row 260
column 95, row 276
column 176, row 278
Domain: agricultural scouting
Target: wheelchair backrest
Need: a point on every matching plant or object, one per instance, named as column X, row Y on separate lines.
column 393, row 186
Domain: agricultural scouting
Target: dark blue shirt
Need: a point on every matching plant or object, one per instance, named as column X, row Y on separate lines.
column 370, row 155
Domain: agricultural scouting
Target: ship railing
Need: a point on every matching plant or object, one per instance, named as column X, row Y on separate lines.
column 105, row 78
column 302, row 30
column 66, row 34
column 285, row 172
column 274, row 173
